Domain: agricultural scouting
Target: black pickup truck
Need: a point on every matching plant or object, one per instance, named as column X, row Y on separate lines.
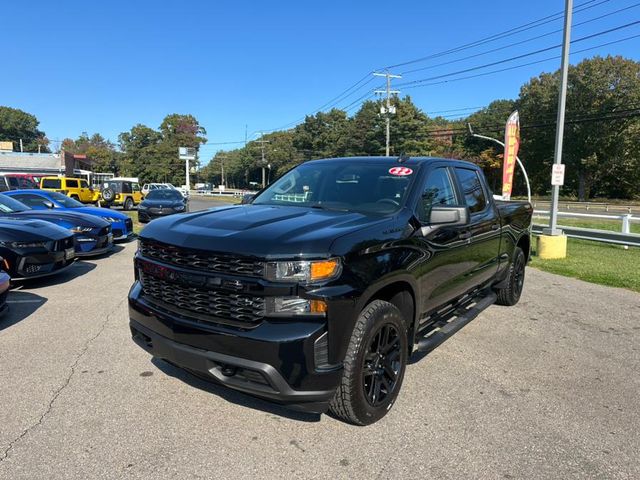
column 315, row 293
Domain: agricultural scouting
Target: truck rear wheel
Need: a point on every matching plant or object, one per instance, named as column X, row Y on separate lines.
column 128, row 203
column 374, row 365
column 510, row 294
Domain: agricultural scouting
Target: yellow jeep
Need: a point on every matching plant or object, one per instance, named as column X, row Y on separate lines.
column 77, row 188
column 125, row 193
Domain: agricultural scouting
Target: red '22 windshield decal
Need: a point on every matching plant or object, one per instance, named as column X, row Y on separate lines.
column 400, row 171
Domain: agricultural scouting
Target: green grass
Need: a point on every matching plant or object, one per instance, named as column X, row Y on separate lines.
column 594, row 262
column 597, row 223
column 137, row 226
column 220, row 198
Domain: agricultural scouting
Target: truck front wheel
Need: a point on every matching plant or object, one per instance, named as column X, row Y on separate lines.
column 510, row 293
column 374, row 365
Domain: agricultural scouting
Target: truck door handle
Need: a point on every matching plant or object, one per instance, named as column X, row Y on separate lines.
column 464, row 235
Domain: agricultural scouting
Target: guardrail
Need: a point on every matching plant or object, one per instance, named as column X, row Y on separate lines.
column 589, row 206
column 624, row 237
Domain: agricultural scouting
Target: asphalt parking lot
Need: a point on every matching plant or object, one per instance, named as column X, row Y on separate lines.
column 547, row 389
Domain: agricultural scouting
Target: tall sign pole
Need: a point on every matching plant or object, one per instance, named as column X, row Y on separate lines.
column 186, row 154
column 562, row 101
column 389, row 109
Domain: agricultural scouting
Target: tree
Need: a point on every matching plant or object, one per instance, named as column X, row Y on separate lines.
column 598, row 147
column 96, row 148
column 16, row 125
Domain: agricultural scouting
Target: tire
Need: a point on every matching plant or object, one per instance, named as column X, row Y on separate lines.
column 355, row 400
column 128, row 203
column 510, row 294
column 108, row 195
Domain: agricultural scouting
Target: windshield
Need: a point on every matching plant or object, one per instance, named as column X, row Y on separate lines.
column 11, row 205
column 65, row 201
column 164, row 194
column 379, row 187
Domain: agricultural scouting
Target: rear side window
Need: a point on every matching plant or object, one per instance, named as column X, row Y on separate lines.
column 438, row 191
column 51, row 183
column 72, row 183
column 472, row 190
column 13, row 181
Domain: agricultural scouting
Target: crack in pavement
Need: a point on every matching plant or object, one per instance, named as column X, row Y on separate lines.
column 65, row 383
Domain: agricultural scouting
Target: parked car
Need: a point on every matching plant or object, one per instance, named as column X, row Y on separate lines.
column 160, row 203
column 92, row 234
column 5, row 283
column 149, row 187
column 121, row 224
column 15, row 181
column 124, row 193
column 34, row 248
column 183, row 189
column 76, row 188
column 315, row 294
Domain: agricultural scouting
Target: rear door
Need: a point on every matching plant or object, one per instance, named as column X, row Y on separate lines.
column 482, row 234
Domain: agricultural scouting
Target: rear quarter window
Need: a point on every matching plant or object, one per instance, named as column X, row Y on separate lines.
column 51, row 183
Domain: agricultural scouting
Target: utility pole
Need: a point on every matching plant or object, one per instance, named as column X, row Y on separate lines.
column 562, row 101
column 388, row 110
column 21, row 150
column 264, row 161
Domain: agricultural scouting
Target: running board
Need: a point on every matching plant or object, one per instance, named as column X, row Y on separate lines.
column 441, row 334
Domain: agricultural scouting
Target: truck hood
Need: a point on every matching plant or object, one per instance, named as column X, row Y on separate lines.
column 15, row 230
column 264, row 231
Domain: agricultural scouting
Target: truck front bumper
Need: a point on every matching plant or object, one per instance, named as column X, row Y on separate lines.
column 274, row 361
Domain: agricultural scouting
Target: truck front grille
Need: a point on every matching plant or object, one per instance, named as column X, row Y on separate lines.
column 201, row 260
column 204, row 304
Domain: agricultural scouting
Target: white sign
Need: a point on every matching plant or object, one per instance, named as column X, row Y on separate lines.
column 187, row 153
column 557, row 174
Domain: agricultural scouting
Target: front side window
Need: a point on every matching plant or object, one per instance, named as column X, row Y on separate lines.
column 84, row 184
column 72, row 183
column 438, row 191
column 472, row 190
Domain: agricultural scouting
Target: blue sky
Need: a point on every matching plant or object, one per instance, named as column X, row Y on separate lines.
column 105, row 66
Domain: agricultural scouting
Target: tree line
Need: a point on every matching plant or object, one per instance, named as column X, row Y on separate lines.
column 602, row 132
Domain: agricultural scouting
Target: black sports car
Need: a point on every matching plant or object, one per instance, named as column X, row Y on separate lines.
column 93, row 234
column 5, row 281
column 160, row 203
column 33, row 248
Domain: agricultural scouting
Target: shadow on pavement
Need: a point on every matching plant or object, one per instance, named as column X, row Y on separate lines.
column 21, row 305
column 231, row 395
column 77, row 269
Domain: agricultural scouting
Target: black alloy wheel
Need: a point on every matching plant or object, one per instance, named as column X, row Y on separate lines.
column 382, row 364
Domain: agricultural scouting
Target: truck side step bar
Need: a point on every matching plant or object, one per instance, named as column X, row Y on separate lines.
column 461, row 318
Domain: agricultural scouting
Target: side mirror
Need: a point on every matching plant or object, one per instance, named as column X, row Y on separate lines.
column 48, row 204
column 247, row 198
column 445, row 217
column 451, row 216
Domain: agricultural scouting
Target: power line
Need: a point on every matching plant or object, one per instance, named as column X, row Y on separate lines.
column 555, row 57
column 537, row 37
column 518, row 57
column 513, row 31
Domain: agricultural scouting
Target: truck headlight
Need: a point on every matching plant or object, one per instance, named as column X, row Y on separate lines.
column 304, row 271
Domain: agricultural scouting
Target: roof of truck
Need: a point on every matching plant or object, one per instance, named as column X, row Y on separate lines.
column 404, row 160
